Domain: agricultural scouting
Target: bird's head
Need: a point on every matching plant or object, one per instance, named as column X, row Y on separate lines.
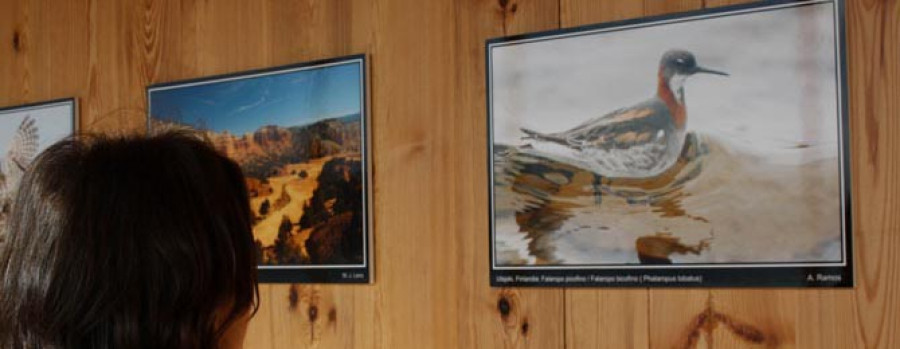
column 682, row 63
column 674, row 68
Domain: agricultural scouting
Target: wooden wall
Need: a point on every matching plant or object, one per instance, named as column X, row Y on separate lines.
column 427, row 93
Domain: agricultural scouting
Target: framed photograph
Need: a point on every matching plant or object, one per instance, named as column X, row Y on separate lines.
column 300, row 134
column 25, row 131
column 707, row 148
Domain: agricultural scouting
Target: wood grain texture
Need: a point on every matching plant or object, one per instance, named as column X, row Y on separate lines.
column 113, row 101
column 661, row 7
column 13, row 84
column 410, row 105
column 429, row 153
column 582, row 12
column 427, row 88
column 492, row 318
column 874, row 49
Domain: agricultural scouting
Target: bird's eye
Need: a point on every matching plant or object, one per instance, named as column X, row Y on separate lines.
column 680, row 60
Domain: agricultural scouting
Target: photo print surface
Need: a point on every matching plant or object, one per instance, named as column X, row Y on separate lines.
column 299, row 135
column 699, row 149
column 25, row 131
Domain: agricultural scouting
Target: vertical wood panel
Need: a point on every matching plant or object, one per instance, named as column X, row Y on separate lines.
column 114, row 100
column 661, row 7
column 232, row 35
column 169, row 40
column 874, row 46
column 416, row 190
column 678, row 318
column 526, row 16
column 534, row 317
column 430, row 151
column 753, row 318
column 827, row 319
column 39, row 61
column 260, row 331
column 56, row 52
column 414, row 245
column 13, row 41
column 607, row 318
column 583, row 12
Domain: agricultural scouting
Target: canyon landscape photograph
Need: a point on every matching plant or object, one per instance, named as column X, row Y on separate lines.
column 299, row 137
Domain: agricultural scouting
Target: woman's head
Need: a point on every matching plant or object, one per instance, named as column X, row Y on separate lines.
column 127, row 243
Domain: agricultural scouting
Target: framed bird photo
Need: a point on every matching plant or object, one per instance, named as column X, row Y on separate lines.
column 300, row 135
column 25, row 131
column 706, row 148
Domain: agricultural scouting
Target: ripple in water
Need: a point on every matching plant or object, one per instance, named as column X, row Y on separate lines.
column 714, row 205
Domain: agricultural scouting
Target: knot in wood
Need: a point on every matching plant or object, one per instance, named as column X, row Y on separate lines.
column 503, row 306
column 313, row 313
column 17, row 41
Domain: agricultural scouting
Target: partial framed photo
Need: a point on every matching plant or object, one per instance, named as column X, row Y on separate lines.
column 25, row 131
column 707, row 148
column 300, row 134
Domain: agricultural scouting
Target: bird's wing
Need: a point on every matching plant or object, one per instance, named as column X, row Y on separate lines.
column 24, row 145
column 620, row 129
column 22, row 150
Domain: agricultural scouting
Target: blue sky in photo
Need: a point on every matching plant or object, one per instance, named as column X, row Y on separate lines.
column 244, row 105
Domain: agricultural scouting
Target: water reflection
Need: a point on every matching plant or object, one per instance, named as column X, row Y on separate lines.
column 713, row 205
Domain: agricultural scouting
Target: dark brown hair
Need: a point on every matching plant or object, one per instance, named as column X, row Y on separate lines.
column 129, row 242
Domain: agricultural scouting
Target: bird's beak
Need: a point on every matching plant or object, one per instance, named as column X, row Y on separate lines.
column 709, row 71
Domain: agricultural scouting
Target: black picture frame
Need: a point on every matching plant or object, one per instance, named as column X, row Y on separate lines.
column 48, row 103
column 751, row 274
column 333, row 273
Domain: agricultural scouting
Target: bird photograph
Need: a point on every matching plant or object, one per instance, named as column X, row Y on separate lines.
column 21, row 149
column 24, row 133
column 639, row 141
column 706, row 141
